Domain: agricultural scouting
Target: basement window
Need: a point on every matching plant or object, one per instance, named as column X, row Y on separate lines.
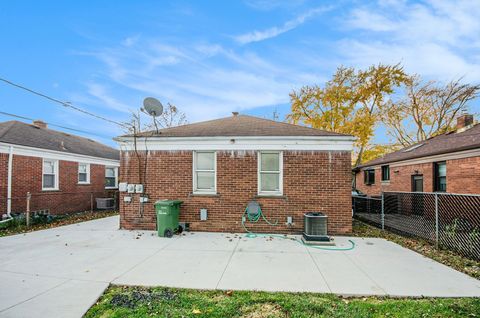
column 369, row 177
column 50, row 175
column 83, row 173
column 111, row 177
column 204, row 172
column 270, row 173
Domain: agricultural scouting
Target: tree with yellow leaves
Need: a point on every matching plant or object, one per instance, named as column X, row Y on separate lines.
column 351, row 102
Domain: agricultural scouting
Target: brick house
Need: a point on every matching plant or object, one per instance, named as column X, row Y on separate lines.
column 62, row 172
column 221, row 165
column 448, row 162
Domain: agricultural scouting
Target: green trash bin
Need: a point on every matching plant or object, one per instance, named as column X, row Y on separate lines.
column 167, row 217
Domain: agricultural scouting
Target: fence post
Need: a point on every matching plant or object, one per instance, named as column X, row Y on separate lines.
column 91, row 202
column 27, row 214
column 383, row 212
column 436, row 220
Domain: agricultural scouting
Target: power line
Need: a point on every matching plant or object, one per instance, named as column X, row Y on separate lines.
column 55, row 125
column 65, row 104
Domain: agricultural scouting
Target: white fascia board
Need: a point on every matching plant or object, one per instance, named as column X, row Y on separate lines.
column 430, row 159
column 308, row 143
column 57, row 155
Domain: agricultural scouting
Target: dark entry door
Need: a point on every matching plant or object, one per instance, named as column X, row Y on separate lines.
column 417, row 200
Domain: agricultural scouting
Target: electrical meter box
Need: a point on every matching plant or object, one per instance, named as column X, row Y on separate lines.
column 131, row 188
column 122, row 187
column 139, row 188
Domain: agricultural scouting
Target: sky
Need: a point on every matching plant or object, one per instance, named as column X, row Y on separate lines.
column 210, row 58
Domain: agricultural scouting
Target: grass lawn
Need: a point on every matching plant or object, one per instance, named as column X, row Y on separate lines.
column 456, row 261
column 119, row 301
column 63, row 220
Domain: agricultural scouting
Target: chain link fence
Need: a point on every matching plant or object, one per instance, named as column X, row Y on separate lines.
column 450, row 221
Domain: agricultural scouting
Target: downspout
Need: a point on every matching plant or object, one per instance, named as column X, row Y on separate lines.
column 9, row 182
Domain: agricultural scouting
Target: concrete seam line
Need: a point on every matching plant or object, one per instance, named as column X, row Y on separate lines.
column 228, row 263
column 142, row 261
column 44, row 292
column 318, row 269
column 361, row 269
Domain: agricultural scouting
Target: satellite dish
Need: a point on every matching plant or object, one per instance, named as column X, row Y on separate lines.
column 152, row 106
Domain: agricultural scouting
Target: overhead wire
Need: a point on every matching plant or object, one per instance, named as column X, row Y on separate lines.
column 56, row 125
column 65, row 104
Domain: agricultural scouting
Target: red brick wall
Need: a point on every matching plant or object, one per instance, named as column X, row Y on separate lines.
column 71, row 196
column 312, row 181
column 463, row 176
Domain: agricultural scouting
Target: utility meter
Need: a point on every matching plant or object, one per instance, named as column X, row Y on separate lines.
column 139, row 188
column 131, row 188
column 122, row 187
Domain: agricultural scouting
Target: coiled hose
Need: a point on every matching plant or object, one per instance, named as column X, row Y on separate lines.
column 254, row 218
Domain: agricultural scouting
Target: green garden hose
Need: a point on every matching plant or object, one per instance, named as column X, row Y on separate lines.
column 256, row 218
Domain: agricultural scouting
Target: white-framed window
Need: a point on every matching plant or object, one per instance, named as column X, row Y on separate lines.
column 83, row 173
column 205, row 172
column 50, row 175
column 270, row 173
column 111, row 177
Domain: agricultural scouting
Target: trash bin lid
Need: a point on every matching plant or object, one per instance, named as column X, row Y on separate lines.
column 168, row 202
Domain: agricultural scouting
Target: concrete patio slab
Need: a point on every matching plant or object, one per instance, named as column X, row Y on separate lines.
column 61, row 271
column 188, row 269
column 273, row 272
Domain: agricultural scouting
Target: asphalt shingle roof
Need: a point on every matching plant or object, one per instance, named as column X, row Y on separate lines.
column 239, row 125
column 441, row 144
column 18, row 133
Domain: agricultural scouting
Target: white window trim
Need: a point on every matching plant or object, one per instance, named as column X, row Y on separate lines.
column 259, row 181
column 194, row 174
column 57, row 172
column 115, row 169
column 88, row 173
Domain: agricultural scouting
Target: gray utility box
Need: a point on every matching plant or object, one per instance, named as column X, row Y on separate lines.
column 315, row 226
column 105, row 203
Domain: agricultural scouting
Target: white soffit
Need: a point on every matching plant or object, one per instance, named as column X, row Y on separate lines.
column 319, row 143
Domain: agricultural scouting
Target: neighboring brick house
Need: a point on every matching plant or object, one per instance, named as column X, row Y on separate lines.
column 221, row 165
column 62, row 172
column 445, row 163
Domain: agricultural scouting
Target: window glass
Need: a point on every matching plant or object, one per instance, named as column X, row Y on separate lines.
column 270, row 182
column 442, row 170
column 205, row 180
column 49, row 178
column 270, row 162
column 270, row 173
column 205, row 160
column 110, row 177
column 48, row 167
column 385, row 173
column 440, row 177
column 83, row 172
column 49, row 181
column 369, row 176
column 204, row 172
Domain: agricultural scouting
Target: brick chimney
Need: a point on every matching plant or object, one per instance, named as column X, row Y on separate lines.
column 40, row 123
column 464, row 120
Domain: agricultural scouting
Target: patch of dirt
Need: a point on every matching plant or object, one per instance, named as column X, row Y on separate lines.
column 141, row 296
column 263, row 310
